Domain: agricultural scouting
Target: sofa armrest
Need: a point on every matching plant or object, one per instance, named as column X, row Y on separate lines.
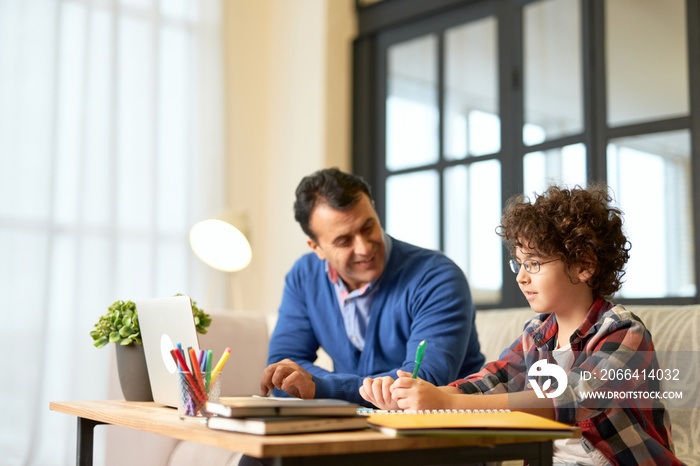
column 498, row 328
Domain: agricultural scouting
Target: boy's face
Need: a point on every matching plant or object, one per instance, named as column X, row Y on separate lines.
column 551, row 289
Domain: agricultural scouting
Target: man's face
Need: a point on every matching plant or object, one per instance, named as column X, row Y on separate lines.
column 351, row 241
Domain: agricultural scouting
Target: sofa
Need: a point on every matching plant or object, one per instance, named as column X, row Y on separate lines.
column 675, row 330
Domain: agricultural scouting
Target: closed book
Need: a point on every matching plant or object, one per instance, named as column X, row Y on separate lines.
column 252, row 406
column 506, row 423
column 286, row 425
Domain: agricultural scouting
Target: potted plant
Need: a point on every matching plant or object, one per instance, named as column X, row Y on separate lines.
column 120, row 325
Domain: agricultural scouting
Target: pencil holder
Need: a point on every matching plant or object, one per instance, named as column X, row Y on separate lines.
column 195, row 391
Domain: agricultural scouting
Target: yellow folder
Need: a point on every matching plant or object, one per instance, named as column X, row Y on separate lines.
column 496, row 423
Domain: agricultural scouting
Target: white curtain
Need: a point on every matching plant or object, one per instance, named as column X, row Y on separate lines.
column 111, row 147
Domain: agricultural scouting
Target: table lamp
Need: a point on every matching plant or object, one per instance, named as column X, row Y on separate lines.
column 221, row 244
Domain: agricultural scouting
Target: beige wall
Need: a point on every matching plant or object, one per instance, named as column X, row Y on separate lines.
column 288, row 80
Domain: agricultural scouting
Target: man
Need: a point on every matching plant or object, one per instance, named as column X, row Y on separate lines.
column 367, row 299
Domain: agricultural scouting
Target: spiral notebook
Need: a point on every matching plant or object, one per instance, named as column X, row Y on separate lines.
column 479, row 422
column 371, row 411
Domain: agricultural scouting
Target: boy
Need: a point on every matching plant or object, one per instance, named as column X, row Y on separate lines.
column 568, row 251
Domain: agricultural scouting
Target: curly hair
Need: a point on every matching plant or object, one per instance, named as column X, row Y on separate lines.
column 577, row 226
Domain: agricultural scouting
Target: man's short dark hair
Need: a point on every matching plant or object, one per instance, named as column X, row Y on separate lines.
column 341, row 191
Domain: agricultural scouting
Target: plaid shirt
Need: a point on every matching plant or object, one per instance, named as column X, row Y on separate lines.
column 629, row 431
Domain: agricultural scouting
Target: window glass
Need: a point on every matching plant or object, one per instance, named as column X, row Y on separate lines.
column 134, row 275
column 472, row 213
column 412, row 117
column 553, row 89
column 646, row 60
column 95, row 260
column 170, row 277
column 412, row 208
column 565, row 166
column 658, row 213
column 135, row 122
column 26, row 179
column 174, row 153
column 472, row 125
column 97, row 167
column 484, row 133
column 179, row 9
column 139, row 4
column 69, row 132
column 533, row 134
column 105, row 104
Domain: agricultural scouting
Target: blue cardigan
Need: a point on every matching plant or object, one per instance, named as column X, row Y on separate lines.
column 422, row 295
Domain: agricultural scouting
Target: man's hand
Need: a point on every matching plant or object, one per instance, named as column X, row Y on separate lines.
column 289, row 377
column 377, row 391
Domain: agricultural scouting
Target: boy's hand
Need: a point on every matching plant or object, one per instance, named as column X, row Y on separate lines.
column 378, row 392
column 417, row 394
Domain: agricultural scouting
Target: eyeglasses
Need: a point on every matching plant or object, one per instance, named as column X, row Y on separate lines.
column 531, row 265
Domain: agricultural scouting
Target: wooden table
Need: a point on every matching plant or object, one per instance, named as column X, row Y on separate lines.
column 365, row 447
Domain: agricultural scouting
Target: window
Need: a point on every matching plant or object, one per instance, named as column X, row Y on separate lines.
column 462, row 105
column 101, row 177
column 434, row 177
column 658, row 212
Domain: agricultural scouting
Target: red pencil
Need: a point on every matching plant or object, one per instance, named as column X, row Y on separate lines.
column 196, row 392
column 197, row 372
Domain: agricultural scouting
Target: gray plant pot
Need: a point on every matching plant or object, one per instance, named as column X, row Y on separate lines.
column 133, row 374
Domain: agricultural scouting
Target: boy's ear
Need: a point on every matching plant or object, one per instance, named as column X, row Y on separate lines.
column 586, row 269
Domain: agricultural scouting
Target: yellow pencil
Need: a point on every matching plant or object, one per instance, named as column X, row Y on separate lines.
column 222, row 361
column 220, row 365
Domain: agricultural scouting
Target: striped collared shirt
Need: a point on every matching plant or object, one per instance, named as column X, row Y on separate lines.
column 355, row 305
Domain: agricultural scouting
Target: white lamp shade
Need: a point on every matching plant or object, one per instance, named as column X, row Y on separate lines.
column 220, row 245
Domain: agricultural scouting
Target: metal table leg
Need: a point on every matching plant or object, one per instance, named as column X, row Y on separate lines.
column 86, row 428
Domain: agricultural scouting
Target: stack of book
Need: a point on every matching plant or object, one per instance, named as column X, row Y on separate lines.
column 272, row 415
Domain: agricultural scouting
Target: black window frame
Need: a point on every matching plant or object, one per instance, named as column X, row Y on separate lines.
column 389, row 21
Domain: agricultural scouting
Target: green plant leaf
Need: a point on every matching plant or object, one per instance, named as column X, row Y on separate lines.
column 120, row 324
column 99, row 343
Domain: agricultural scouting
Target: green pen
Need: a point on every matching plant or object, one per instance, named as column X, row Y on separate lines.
column 207, row 370
column 419, row 358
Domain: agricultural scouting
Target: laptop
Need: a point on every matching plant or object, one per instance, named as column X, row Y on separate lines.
column 165, row 322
